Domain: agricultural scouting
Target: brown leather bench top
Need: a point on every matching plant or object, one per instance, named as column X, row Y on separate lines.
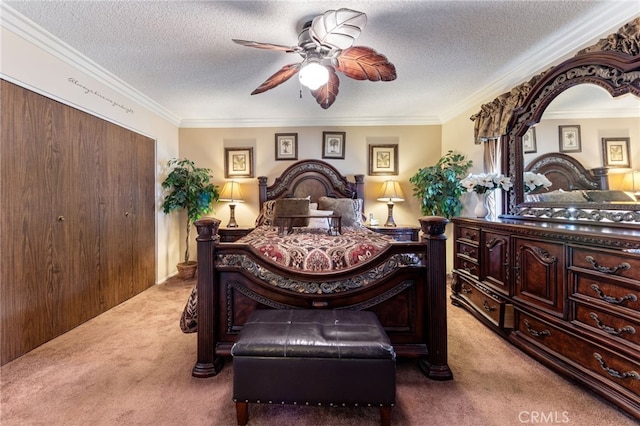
column 308, row 333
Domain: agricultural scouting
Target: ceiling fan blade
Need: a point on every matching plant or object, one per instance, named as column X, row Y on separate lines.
column 337, row 29
column 282, row 75
column 364, row 63
column 267, row 46
column 326, row 95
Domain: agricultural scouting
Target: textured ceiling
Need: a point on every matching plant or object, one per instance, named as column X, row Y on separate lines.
column 449, row 55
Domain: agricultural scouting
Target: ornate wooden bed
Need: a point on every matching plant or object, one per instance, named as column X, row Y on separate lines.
column 409, row 297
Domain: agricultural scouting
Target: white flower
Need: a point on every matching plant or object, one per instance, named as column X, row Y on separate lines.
column 533, row 181
column 485, row 182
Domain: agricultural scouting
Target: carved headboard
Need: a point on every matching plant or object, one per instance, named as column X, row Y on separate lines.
column 567, row 173
column 312, row 178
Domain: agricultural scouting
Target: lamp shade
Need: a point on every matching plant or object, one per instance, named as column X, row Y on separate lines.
column 391, row 192
column 313, row 75
column 231, row 192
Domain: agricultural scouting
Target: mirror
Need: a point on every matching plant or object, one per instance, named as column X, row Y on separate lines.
column 596, row 115
column 565, row 99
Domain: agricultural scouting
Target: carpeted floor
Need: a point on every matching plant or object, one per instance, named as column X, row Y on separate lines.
column 132, row 366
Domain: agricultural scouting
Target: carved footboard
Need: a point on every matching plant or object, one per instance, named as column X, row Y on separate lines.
column 405, row 288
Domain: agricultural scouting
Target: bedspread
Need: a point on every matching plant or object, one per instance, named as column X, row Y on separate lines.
column 314, row 250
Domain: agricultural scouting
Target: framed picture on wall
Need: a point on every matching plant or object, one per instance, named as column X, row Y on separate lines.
column 615, row 152
column 529, row 144
column 286, row 146
column 383, row 160
column 238, row 162
column 333, row 144
column 569, row 138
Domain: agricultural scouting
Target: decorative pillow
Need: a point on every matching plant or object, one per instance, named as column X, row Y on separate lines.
column 266, row 214
column 318, row 222
column 292, row 207
column 349, row 209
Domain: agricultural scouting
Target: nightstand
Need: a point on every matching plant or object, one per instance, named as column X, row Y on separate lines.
column 231, row 235
column 398, row 233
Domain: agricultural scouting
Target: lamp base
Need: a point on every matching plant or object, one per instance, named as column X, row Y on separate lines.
column 232, row 218
column 390, row 221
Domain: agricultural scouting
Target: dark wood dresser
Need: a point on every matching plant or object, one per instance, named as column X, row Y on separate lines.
column 567, row 294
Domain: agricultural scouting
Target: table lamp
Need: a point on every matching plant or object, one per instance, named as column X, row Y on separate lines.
column 391, row 193
column 231, row 194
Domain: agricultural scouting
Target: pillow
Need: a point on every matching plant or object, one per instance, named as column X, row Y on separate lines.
column 608, row 196
column 319, row 222
column 292, row 207
column 563, row 196
column 266, row 213
column 349, row 209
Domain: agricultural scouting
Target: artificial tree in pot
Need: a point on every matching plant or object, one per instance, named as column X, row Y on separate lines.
column 438, row 187
column 188, row 187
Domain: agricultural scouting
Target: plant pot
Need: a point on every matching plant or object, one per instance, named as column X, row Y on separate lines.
column 187, row 270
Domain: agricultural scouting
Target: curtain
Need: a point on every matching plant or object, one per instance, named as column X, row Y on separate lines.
column 492, row 160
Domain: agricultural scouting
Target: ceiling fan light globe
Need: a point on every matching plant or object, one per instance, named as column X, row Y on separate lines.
column 313, row 75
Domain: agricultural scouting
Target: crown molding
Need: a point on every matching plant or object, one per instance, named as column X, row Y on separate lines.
column 609, row 18
column 33, row 33
column 304, row 122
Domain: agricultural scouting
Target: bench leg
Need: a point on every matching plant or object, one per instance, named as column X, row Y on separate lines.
column 385, row 416
column 242, row 413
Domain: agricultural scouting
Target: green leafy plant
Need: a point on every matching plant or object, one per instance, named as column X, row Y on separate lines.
column 188, row 187
column 438, row 187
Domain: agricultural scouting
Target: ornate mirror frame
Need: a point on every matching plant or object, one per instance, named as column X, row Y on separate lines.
column 604, row 65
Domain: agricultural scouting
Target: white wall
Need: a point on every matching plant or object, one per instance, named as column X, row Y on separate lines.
column 37, row 67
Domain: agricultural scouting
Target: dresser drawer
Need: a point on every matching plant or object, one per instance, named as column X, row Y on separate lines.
column 620, row 294
column 468, row 250
column 467, row 233
column 493, row 307
column 608, row 262
column 620, row 328
column 466, row 265
column 600, row 363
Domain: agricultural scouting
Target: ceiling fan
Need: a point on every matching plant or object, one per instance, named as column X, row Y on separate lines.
column 326, row 46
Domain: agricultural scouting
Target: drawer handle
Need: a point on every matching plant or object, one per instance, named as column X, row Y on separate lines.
column 487, row 307
column 606, row 270
column 464, row 289
column 469, row 269
column 470, row 236
column 613, row 300
column 607, row 329
column 536, row 333
column 467, row 252
column 614, row 373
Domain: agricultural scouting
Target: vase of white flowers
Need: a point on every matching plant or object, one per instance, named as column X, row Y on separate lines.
column 533, row 181
column 482, row 184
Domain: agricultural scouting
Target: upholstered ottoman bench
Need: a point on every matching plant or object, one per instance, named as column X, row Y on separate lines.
column 313, row 357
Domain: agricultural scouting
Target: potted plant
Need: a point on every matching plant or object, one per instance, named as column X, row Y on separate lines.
column 188, row 187
column 438, row 187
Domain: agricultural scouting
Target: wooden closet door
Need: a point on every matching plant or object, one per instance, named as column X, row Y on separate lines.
column 129, row 216
column 26, row 293
column 144, row 264
column 78, row 137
